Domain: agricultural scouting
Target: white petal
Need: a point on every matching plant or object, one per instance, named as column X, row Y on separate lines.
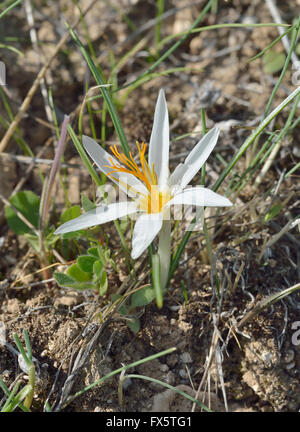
column 184, row 173
column 102, row 158
column 145, row 230
column 159, row 140
column 97, row 216
column 199, row 196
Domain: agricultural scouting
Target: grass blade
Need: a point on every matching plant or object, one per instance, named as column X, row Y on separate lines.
column 105, row 93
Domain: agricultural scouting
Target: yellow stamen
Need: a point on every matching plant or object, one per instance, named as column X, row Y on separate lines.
column 154, row 200
column 145, row 174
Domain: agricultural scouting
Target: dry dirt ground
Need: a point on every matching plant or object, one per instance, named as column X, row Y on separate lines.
column 255, row 368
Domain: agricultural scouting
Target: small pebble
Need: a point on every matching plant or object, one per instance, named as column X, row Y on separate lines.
column 182, row 373
column 174, row 308
column 172, row 360
column 126, row 383
column 164, row 368
column 170, row 378
column 67, row 300
column 186, row 358
column 249, row 19
column 23, row 365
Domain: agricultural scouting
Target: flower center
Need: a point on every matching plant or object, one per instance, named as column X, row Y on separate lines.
column 154, row 200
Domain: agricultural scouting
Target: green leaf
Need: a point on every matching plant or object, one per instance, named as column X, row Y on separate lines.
column 87, row 204
column 273, row 212
column 97, row 269
column 102, row 254
column 70, row 213
column 86, row 263
column 27, row 203
column 106, row 255
column 273, row 62
column 156, row 282
column 76, row 273
column 17, row 399
column 134, row 325
column 67, row 281
column 142, row 297
column 63, row 279
column 82, row 286
column 123, row 310
column 33, row 241
column 184, row 291
column 105, row 93
column 93, row 251
column 72, row 235
column 51, row 239
column 124, row 222
column 103, row 284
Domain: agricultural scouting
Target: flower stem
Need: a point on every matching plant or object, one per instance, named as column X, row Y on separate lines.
column 156, row 282
column 164, row 252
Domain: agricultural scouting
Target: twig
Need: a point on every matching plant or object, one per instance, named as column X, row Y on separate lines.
column 28, row 160
column 293, row 239
column 264, row 303
column 53, row 172
column 33, row 284
column 290, row 225
column 209, row 361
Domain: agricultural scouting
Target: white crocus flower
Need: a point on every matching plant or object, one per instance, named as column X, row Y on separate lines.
column 150, row 186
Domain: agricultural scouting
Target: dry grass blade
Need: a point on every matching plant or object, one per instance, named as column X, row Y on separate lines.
column 265, row 303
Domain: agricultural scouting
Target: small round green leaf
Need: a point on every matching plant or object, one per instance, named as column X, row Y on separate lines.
column 76, row 273
column 142, row 297
column 86, row 263
column 134, row 325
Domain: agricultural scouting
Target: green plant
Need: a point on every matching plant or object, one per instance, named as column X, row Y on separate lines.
column 22, row 215
column 15, row 397
column 130, row 308
column 89, row 271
